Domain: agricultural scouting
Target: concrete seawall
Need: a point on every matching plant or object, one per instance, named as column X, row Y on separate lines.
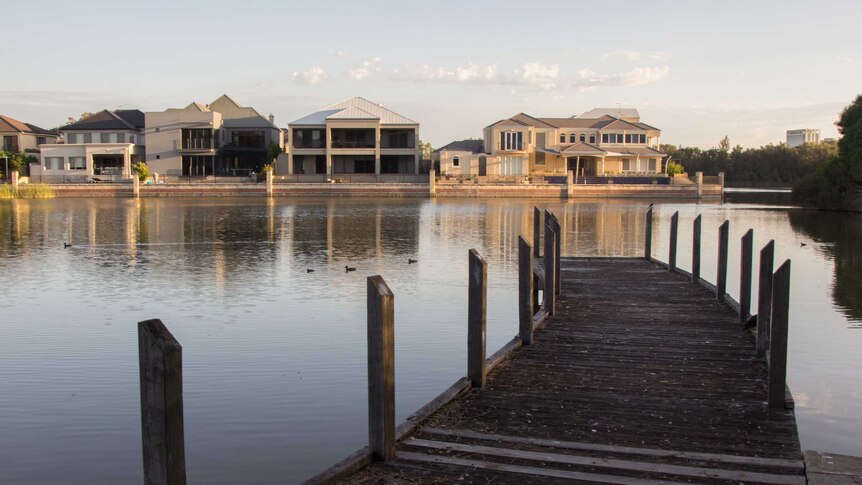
column 388, row 190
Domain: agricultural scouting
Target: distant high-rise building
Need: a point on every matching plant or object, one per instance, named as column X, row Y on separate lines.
column 805, row 135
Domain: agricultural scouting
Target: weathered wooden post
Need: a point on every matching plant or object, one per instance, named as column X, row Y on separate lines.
column 764, row 298
column 558, row 233
column 537, row 230
column 721, row 278
column 161, row 368
column 674, row 228
column 549, row 293
column 778, row 336
column 476, row 319
column 745, row 263
column 381, row 369
column 695, row 250
column 648, row 234
column 525, row 291
column 136, row 186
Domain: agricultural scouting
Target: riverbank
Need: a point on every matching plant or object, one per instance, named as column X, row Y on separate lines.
column 547, row 191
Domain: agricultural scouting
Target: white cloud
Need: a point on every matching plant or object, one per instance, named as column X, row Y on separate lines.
column 471, row 73
column 311, row 75
column 545, row 76
column 337, row 53
column 586, row 78
column 368, row 67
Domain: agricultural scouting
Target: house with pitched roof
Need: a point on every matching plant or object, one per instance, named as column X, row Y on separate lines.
column 20, row 137
column 221, row 138
column 104, row 145
column 356, row 138
column 600, row 142
column 461, row 158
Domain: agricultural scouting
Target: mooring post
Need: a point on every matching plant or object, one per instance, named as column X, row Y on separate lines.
column 161, row 369
column 648, row 234
column 745, row 263
column 136, row 186
column 381, row 369
column 764, row 298
column 548, row 292
column 695, row 250
column 537, row 230
column 558, row 233
column 778, row 336
column 674, row 229
column 525, row 291
column 721, row 278
column 476, row 319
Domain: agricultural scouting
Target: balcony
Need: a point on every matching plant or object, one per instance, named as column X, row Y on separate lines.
column 353, row 138
column 403, row 139
column 199, row 145
column 352, row 144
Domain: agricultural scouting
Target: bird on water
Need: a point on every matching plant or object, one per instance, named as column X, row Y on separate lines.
column 309, row 270
column 411, row 261
column 66, row 245
column 348, row 269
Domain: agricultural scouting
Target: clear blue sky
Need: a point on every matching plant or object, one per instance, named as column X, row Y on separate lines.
column 697, row 70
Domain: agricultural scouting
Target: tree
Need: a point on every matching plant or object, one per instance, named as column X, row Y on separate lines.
column 142, row 170
column 425, row 150
column 724, row 144
column 837, row 182
column 18, row 162
column 273, row 151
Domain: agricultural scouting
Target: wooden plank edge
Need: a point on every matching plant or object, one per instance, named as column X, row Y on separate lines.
column 416, row 419
column 503, row 353
column 354, row 462
column 587, row 258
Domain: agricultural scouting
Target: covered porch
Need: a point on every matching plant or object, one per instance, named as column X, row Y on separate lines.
column 584, row 160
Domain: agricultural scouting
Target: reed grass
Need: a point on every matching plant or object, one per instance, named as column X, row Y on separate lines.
column 27, row 191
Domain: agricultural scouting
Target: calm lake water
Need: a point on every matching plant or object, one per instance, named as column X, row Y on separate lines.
column 274, row 356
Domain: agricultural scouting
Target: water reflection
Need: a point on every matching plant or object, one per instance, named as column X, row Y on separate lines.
column 839, row 235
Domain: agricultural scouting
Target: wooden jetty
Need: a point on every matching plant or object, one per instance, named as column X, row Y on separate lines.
column 626, row 370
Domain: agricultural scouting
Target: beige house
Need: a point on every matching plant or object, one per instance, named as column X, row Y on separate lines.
column 19, row 137
column 463, row 158
column 355, row 139
column 596, row 143
column 221, row 138
column 102, row 146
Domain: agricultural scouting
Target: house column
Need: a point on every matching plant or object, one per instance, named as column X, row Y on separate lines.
column 417, row 152
column 603, row 166
column 377, row 151
column 127, row 163
column 328, row 145
column 577, row 167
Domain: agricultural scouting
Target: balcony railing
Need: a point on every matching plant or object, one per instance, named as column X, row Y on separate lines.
column 352, row 144
column 311, row 144
column 409, row 144
column 198, row 144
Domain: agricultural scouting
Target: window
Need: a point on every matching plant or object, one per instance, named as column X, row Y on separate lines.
column 249, row 138
column 540, row 158
column 88, row 138
column 572, row 138
column 77, row 163
column 121, row 138
column 511, row 140
column 562, row 137
column 10, row 143
column 583, row 137
column 54, row 163
column 456, row 162
column 628, row 138
column 651, row 165
column 511, row 166
column 104, row 138
column 605, row 138
column 627, row 164
column 593, row 138
column 41, row 140
column 643, row 138
column 131, row 138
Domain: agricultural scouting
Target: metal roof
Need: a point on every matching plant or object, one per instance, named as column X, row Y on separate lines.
column 615, row 112
column 353, row 106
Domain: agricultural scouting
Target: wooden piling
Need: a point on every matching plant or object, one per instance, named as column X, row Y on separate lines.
column 558, row 233
column 648, row 235
column 476, row 319
column 778, row 337
column 721, row 278
column 548, row 292
column 537, row 230
column 161, row 373
column 525, row 291
column 381, row 369
column 674, row 230
column 745, row 263
column 764, row 298
column 695, row 249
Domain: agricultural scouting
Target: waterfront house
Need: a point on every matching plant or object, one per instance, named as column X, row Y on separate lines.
column 20, row 137
column 355, row 139
column 600, row 142
column 221, row 138
column 102, row 146
column 461, row 158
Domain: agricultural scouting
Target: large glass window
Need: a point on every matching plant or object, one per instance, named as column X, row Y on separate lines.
column 308, row 138
column 511, row 140
column 10, row 143
column 511, row 166
column 77, row 163
column 197, row 139
column 256, row 138
column 54, row 163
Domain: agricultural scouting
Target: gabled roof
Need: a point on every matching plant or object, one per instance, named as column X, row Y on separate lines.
column 522, row 119
column 642, row 151
column 198, row 107
column 472, row 146
column 622, row 113
column 355, row 105
column 8, row 124
column 569, row 122
column 121, row 119
column 582, row 148
column 352, row 113
column 621, row 124
column 236, row 116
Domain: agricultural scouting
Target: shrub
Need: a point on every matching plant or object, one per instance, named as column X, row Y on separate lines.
column 674, row 168
column 6, row 192
column 35, row 191
column 142, row 170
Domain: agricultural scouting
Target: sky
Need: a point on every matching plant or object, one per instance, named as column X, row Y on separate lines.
column 698, row 70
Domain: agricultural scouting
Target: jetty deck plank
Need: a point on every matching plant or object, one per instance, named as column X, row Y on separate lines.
column 640, row 377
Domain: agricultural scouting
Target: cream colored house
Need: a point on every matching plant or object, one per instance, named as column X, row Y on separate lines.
column 19, row 137
column 355, row 139
column 596, row 143
column 221, row 138
column 103, row 145
column 460, row 158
